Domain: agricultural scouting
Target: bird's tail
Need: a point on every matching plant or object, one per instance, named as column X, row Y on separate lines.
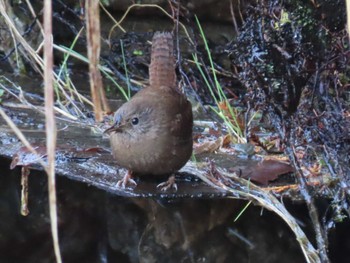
column 162, row 68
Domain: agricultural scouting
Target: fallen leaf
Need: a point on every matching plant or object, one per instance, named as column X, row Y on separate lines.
column 266, row 171
column 208, row 146
column 227, row 140
column 25, row 157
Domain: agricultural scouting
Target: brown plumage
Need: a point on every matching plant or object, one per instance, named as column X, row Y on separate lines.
column 152, row 133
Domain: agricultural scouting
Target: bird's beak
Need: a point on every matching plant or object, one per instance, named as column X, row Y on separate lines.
column 116, row 127
column 111, row 129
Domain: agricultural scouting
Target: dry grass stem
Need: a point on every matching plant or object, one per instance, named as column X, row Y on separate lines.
column 51, row 132
column 31, row 9
column 32, row 55
column 27, row 105
column 94, row 46
column 17, row 36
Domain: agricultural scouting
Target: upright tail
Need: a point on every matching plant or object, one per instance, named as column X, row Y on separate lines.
column 162, row 68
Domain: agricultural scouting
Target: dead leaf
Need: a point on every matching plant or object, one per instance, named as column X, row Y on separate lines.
column 208, row 146
column 266, row 171
column 95, row 150
column 227, row 140
column 25, row 157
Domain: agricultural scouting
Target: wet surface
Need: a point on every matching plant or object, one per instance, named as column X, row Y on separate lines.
column 84, row 155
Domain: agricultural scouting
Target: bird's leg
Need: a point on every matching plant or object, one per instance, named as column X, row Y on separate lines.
column 170, row 183
column 127, row 179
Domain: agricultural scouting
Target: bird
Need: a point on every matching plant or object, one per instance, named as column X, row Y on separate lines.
column 151, row 134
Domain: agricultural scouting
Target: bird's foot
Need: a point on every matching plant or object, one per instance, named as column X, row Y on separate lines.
column 127, row 179
column 170, row 183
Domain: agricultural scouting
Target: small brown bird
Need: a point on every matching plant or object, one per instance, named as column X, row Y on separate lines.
column 152, row 133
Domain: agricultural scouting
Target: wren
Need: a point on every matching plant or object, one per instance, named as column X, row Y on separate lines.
column 152, row 133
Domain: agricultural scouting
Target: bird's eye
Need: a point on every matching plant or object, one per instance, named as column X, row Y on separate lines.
column 135, row 121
